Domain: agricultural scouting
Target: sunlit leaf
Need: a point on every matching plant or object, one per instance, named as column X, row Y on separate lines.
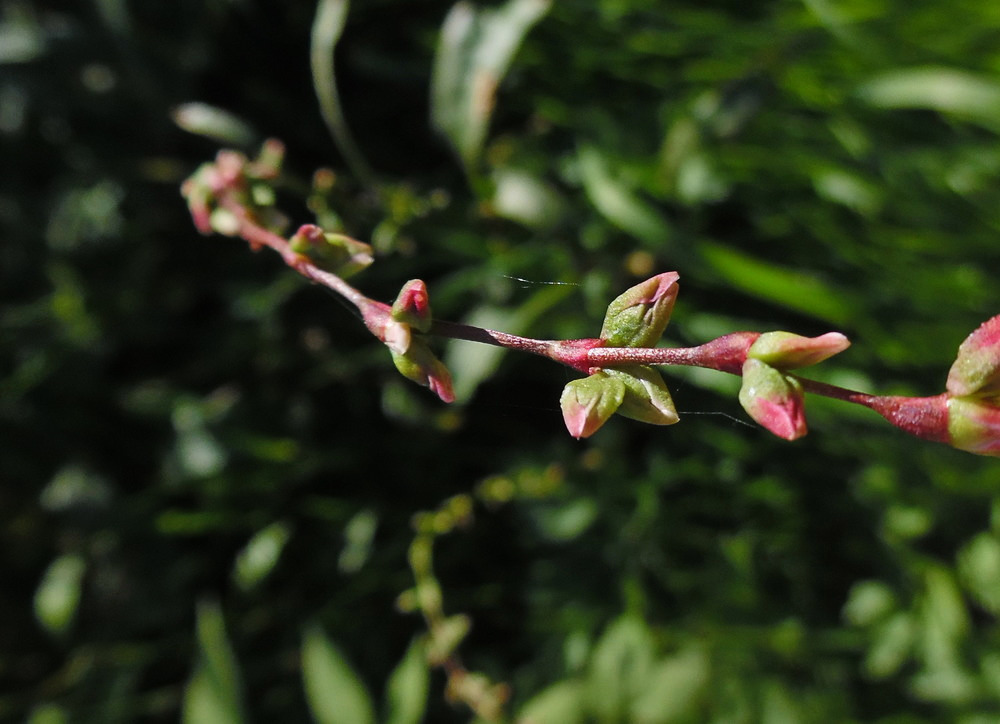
column 335, row 693
column 474, row 52
column 406, row 691
column 214, row 693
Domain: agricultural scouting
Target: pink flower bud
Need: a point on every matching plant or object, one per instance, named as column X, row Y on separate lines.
column 588, row 402
column 419, row 364
column 976, row 370
column 974, row 424
column 638, row 317
column 787, row 351
column 772, row 399
column 413, row 306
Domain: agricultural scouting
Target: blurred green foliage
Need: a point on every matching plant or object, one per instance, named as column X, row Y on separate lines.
column 209, row 470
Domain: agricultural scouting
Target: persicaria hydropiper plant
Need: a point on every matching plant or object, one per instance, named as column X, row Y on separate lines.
column 232, row 196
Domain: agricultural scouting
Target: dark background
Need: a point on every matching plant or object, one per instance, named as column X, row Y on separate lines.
column 165, row 398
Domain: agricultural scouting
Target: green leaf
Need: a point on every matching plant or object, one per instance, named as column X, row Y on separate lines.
column 331, row 16
column 58, row 594
column 795, row 290
column 334, row 691
column 979, row 570
column 620, row 668
column 474, row 52
column 561, row 703
column 406, row 692
column 619, row 204
column 214, row 693
column 258, row 558
column 946, row 90
column 677, row 686
column 869, row 602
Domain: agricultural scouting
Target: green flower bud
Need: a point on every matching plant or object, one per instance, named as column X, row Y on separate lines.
column 787, row 351
column 773, row 399
column 647, row 398
column 638, row 317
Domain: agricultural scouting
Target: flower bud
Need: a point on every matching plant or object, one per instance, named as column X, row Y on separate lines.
column 638, row 317
column 974, row 425
column 588, row 402
column 335, row 253
column 419, row 364
column 787, row 351
column 647, row 398
column 976, row 370
column 413, row 306
column 772, row 399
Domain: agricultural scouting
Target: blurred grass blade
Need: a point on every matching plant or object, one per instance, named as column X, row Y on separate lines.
column 946, row 90
column 475, row 50
column 406, row 691
column 334, row 691
column 619, row 204
column 331, row 16
column 214, row 694
column 792, row 289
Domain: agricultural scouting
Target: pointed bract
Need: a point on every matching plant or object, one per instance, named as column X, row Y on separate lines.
column 413, row 306
column 787, row 351
column 419, row 364
column 588, row 402
column 976, row 370
column 638, row 317
column 647, row 398
column 773, row 399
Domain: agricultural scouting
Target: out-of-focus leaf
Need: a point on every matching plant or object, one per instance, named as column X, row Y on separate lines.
column 619, row 669
column 799, row 291
column 561, row 703
column 947, row 90
column 890, row 646
column 258, row 558
column 474, row 52
column 358, row 536
column 334, row 691
column 979, row 570
column 676, row 687
column 620, row 204
column 214, row 693
column 203, row 119
column 868, row 602
column 406, row 691
column 331, row 17
column 525, row 198
column 48, row 714
column 471, row 363
column 58, row 594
